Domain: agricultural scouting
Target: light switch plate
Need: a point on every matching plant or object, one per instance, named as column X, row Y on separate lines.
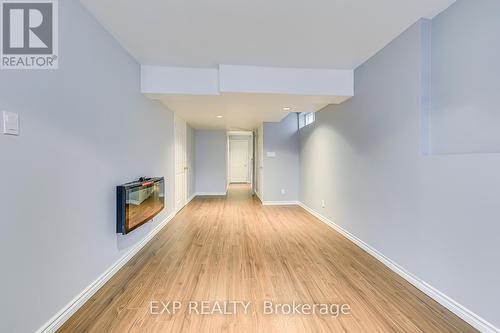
column 10, row 123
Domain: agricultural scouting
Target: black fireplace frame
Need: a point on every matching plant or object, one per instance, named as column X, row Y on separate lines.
column 121, row 202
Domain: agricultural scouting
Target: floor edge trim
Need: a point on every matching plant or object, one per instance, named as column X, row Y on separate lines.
column 461, row 311
column 69, row 309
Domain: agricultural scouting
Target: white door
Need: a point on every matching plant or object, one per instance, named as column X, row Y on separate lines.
column 180, row 163
column 238, row 164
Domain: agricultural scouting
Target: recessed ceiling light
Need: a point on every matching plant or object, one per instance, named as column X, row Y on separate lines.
column 287, row 108
column 219, row 117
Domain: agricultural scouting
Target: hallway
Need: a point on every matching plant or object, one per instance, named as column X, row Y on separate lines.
column 234, row 249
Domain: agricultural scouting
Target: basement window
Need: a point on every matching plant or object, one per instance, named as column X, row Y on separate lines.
column 306, row 118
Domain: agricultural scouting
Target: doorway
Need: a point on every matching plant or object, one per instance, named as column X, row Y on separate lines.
column 238, row 161
column 240, row 157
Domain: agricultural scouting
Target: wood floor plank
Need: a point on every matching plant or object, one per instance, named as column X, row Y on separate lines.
column 234, row 249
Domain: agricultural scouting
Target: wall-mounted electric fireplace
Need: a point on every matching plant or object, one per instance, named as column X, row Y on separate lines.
column 138, row 202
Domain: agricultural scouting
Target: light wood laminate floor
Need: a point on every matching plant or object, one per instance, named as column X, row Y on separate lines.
column 234, row 249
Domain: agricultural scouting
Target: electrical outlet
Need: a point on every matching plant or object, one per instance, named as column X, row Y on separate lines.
column 323, row 204
column 283, row 191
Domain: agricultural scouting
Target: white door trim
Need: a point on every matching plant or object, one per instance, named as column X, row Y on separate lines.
column 260, row 162
column 180, row 163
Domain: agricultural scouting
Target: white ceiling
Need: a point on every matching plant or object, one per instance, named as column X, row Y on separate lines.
column 337, row 34
column 240, row 111
column 326, row 34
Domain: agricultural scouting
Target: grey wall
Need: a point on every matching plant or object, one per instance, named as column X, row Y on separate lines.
column 437, row 216
column 282, row 171
column 466, row 78
column 190, row 151
column 85, row 128
column 211, row 161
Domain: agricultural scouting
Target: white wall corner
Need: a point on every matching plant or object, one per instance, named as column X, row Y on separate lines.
column 425, row 86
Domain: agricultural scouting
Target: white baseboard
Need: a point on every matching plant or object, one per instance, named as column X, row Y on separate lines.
column 461, row 311
column 476, row 321
column 280, row 203
column 210, row 193
column 188, row 200
column 67, row 311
